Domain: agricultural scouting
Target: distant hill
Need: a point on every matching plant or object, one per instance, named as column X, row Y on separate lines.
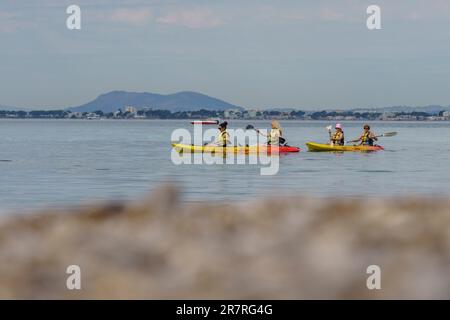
column 428, row 109
column 181, row 101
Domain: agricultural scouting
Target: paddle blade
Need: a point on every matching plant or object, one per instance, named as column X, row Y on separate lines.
column 389, row 134
column 329, row 128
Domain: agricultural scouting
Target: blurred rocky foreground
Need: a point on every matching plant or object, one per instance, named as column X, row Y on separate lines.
column 282, row 248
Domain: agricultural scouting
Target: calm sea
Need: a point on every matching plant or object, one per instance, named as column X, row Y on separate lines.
column 70, row 162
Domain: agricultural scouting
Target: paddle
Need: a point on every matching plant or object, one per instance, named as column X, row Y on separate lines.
column 251, row 127
column 329, row 128
column 387, row 134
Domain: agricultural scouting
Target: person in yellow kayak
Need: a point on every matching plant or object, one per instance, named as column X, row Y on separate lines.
column 368, row 137
column 337, row 138
column 224, row 138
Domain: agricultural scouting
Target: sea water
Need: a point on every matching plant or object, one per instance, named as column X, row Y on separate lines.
column 53, row 163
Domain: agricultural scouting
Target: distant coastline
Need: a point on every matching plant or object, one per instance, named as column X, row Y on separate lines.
column 189, row 105
column 237, row 114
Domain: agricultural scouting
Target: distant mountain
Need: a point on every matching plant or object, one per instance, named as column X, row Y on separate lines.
column 181, row 101
column 428, row 109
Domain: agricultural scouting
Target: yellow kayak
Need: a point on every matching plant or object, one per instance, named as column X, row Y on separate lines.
column 233, row 149
column 312, row 146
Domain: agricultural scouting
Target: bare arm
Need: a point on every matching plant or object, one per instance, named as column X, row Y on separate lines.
column 263, row 134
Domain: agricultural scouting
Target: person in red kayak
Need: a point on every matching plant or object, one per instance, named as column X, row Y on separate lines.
column 368, row 137
column 337, row 138
column 275, row 136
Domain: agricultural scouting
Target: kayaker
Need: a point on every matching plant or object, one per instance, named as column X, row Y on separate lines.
column 368, row 137
column 224, row 138
column 275, row 136
column 337, row 138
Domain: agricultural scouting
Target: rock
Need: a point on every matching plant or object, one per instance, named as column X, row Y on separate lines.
column 282, row 248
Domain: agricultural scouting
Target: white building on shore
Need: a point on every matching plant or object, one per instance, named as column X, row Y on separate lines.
column 130, row 109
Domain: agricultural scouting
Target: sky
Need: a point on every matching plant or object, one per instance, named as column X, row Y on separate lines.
column 253, row 53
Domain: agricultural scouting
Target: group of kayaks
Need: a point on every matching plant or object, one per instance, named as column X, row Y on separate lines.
column 282, row 147
column 312, row 146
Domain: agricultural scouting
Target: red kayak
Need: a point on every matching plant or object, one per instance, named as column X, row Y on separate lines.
column 205, row 122
column 279, row 149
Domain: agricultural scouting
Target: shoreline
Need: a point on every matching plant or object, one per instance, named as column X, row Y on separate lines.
column 243, row 120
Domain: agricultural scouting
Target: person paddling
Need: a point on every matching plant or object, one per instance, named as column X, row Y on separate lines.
column 368, row 137
column 224, row 138
column 337, row 138
column 275, row 136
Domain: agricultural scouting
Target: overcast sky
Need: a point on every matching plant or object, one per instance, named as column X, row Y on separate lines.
column 255, row 53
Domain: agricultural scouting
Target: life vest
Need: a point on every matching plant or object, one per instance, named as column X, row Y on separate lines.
column 223, row 139
column 366, row 139
column 274, row 137
column 338, row 138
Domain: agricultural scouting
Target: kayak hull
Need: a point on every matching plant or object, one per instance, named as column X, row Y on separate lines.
column 234, row 149
column 317, row 147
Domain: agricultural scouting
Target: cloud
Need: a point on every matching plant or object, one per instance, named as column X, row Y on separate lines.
column 331, row 14
column 8, row 22
column 352, row 11
column 197, row 18
column 424, row 10
column 298, row 13
column 136, row 17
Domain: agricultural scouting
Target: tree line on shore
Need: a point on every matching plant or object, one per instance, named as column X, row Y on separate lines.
column 203, row 114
